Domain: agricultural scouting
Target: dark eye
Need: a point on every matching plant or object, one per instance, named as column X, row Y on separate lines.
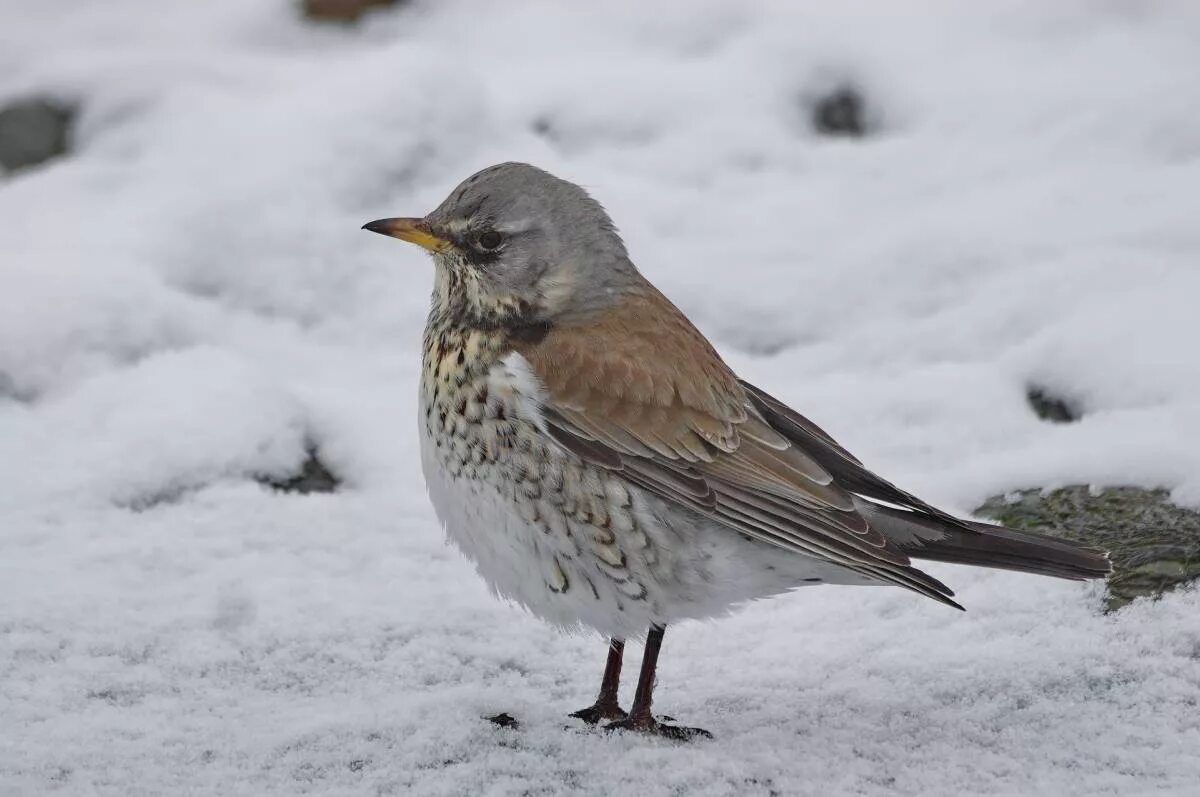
column 489, row 239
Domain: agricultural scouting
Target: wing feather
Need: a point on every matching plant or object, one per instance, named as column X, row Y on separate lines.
column 640, row 390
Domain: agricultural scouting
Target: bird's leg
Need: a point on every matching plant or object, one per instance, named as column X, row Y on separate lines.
column 640, row 719
column 606, row 706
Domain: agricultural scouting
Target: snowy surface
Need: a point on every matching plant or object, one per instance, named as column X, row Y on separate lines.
column 187, row 301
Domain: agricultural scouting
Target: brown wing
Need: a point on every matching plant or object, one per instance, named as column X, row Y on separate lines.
column 642, row 391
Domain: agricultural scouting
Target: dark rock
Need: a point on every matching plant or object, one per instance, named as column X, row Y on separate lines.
column 340, row 10
column 1049, row 407
column 544, row 128
column 504, row 720
column 170, row 494
column 313, row 477
column 32, row 131
column 842, row 112
column 9, row 389
column 1154, row 544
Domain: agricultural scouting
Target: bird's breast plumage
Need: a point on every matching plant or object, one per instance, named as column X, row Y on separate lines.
column 577, row 544
column 558, row 535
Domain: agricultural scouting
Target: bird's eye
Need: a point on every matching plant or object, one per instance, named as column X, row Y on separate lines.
column 489, row 239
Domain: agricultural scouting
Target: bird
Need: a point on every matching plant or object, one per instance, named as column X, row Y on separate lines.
column 587, row 448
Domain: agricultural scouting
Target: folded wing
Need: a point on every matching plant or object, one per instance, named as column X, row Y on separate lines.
column 662, row 407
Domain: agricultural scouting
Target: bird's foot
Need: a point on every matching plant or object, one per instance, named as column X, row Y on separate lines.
column 600, row 710
column 652, row 727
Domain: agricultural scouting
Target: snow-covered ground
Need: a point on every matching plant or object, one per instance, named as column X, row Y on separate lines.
column 188, row 300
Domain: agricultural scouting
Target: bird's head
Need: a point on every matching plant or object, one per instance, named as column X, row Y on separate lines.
column 516, row 245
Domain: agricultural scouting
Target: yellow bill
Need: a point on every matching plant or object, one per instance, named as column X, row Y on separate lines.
column 415, row 231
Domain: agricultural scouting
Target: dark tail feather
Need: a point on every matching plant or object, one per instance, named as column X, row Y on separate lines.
column 986, row 545
column 995, row 546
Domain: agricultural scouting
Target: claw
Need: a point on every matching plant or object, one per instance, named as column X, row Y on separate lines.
column 600, row 711
column 653, row 727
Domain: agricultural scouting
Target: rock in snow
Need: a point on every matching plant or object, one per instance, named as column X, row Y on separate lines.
column 313, row 477
column 1154, row 544
column 840, row 113
column 1051, row 408
column 32, row 131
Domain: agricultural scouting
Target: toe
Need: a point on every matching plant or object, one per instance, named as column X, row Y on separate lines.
column 594, row 714
column 652, row 727
column 683, row 734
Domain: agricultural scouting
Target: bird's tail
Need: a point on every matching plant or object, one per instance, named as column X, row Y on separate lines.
column 968, row 542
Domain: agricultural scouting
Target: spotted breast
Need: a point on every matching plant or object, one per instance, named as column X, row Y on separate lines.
column 561, row 537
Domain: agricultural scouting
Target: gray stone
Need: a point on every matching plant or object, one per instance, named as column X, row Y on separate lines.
column 10, row 389
column 32, row 131
column 1050, row 407
column 504, row 720
column 313, row 477
column 1154, row 544
column 840, row 113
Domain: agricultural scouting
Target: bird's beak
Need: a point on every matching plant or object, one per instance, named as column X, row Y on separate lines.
column 415, row 231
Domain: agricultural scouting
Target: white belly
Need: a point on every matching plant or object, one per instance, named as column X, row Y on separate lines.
column 689, row 567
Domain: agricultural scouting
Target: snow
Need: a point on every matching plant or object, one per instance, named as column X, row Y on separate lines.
column 187, row 302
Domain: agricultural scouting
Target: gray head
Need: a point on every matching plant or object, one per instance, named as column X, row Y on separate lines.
column 514, row 244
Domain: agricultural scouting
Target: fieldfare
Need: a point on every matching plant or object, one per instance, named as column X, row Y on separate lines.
column 587, row 448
